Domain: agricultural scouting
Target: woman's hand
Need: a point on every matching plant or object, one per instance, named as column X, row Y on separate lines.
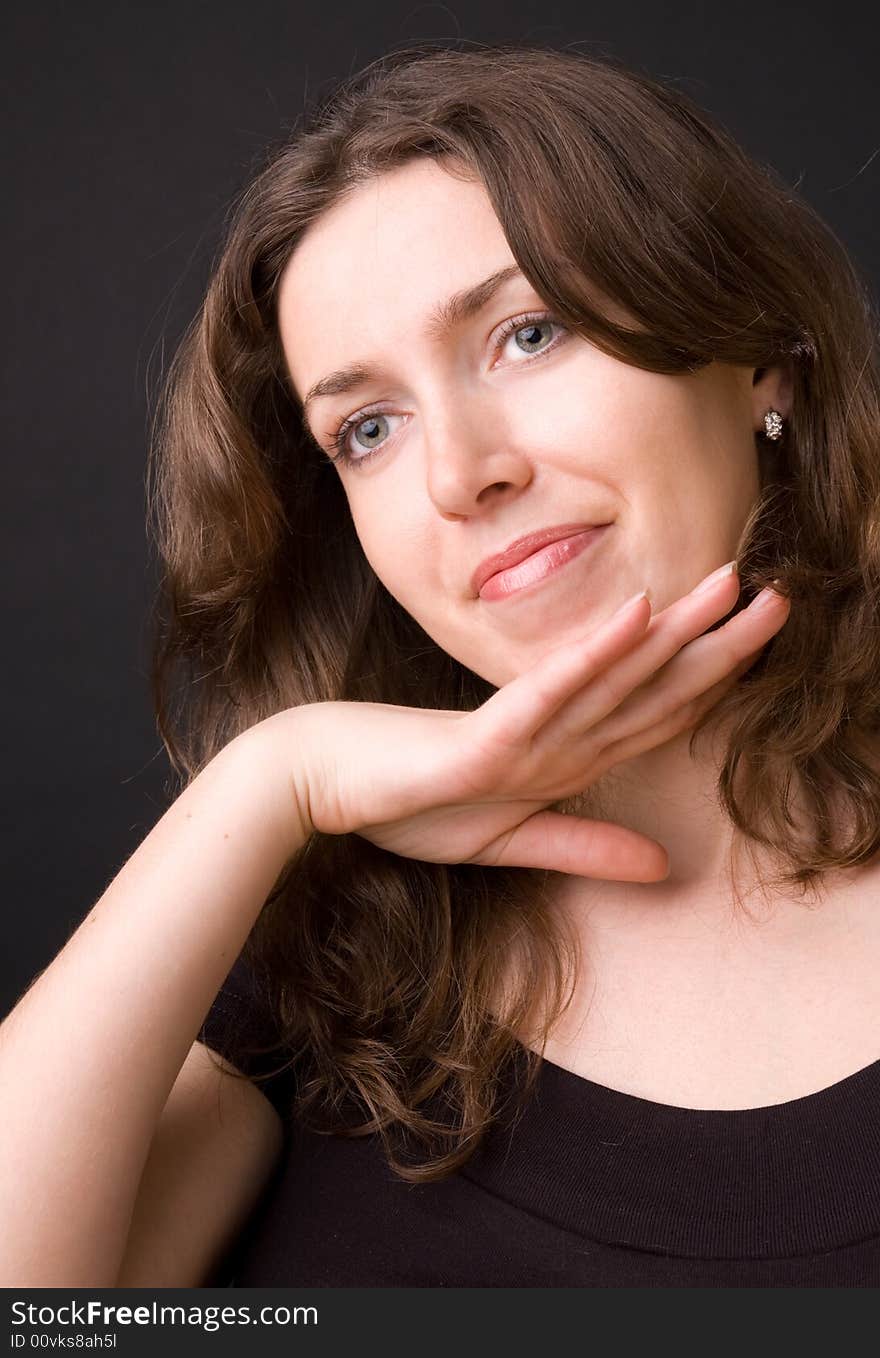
column 472, row 787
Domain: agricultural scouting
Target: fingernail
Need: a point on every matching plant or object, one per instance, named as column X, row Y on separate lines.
column 643, row 594
column 767, row 596
column 716, row 575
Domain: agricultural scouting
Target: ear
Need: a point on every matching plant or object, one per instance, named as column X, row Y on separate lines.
column 772, row 389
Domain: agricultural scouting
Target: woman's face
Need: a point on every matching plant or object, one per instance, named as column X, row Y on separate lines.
column 463, row 440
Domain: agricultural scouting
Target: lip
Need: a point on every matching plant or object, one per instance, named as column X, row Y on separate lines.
column 524, row 547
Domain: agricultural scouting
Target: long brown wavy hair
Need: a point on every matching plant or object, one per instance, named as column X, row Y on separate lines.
column 383, row 972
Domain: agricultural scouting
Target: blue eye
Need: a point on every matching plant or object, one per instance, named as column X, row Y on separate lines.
column 366, row 426
column 531, row 337
column 370, row 418
column 340, row 438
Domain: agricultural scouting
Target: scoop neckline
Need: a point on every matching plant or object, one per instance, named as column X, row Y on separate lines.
column 765, row 1182
column 625, row 1098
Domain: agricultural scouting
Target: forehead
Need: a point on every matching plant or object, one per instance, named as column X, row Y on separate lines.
column 382, row 257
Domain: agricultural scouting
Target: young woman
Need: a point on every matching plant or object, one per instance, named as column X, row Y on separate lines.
column 516, row 388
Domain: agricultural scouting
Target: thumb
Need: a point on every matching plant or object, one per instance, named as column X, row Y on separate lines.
column 585, row 848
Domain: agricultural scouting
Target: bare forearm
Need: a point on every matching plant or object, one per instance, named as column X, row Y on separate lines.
column 89, row 1055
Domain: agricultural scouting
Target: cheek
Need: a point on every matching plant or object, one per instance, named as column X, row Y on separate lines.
column 408, row 563
column 610, row 423
column 396, row 549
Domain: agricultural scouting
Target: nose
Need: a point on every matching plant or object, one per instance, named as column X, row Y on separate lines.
column 471, row 461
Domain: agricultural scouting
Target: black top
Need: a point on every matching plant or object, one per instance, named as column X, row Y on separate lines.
column 590, row 1188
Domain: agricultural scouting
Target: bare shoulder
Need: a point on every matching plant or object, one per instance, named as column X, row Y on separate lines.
column 215, row 1147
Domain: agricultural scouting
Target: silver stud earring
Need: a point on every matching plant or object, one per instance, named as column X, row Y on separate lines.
column 773, row 424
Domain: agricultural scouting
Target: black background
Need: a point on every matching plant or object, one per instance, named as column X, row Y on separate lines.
column 129, row 128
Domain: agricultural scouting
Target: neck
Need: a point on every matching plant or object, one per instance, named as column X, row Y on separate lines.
column 670, row 795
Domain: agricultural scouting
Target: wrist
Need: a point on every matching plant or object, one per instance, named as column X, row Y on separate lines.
column 276, row 750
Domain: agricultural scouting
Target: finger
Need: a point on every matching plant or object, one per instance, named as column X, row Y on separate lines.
column 673, row 724
column 697, row 668
column 687, row 671
column 586, row 848
column 608, row 664
column 520, row 708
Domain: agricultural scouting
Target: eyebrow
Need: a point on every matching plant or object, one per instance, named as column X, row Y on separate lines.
column 448, row 314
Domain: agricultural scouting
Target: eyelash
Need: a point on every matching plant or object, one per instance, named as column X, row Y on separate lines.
column 509, row 328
